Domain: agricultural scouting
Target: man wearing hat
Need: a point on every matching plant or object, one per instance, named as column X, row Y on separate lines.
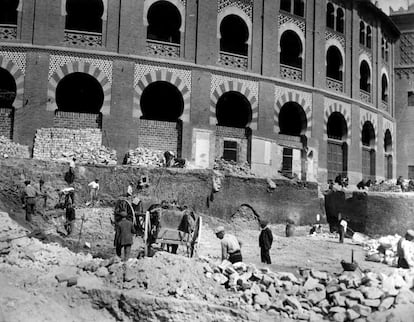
column 29, row 200
column 230, row 246
column 405, row 250
column 124, row 231
column 265, row 242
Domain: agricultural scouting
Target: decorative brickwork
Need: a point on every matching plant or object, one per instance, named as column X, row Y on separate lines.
column 60, row 66
column 147, row 74
column 72, row 120
column 233, row 60
column 224, row 133
column 15, row 63
column 8, row 32
column 367, row 116
column 6, row 122
column 221, row 84
column 387, row 125
column 164, row 49
column 407, row 73
column 333, row 35
column 158, row 135
column 245, row 5
column 285, row 95
column 331, row 106
column 83, row 38
column 286, row 19
column 407, row 48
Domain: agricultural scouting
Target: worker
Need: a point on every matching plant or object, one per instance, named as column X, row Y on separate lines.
column 405, row 250
column 124, row 231
column 72, row 164
column 93, row 190
column 129, row 190
column 43, row 192
column 265, row 242
column 70, row 218
column 230, row 246
column 343, row 226
column 28, row 199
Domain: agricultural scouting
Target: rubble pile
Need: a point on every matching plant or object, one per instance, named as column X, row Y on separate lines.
column 383, row 250
column 386, row 186
column 233, row 168
column 10, row 149
column 145, row 157
column 62, row 144
column 315, row 296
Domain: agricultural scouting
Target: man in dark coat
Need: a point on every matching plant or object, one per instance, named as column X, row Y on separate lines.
column 265, row 242
column 124, row 231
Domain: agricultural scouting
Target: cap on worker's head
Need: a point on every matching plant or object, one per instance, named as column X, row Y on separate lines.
column 123, row 214
column 410, row 232
column 26, row 182
column 263, row 223
column 219, row 229
column 96, row 180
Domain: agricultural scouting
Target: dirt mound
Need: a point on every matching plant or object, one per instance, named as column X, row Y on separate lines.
column 245, row 217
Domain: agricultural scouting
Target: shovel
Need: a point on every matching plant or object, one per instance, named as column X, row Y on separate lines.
column 35, row 233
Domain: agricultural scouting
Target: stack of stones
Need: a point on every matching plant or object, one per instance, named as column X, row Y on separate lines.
column 315, row 295
column 9, row 149
column 62, row 144
column 233, row 168
column 145, row 157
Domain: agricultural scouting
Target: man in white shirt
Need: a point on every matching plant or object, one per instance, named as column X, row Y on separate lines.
column 343, row 226
column 93, row 190
column 405, row 250
column 230, row 246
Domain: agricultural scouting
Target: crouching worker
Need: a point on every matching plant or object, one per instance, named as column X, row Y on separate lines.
column 124, row 231
column 230, row 246
column 405, row 250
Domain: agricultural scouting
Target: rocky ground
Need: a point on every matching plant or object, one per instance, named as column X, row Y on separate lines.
column 43, row 281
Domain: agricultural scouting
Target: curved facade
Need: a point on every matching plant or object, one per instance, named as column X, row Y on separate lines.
column 303, row 87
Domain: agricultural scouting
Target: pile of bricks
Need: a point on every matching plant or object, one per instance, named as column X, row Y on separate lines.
column 145, row 157
column 10, row 149
column 233, row 168
column 62, row 144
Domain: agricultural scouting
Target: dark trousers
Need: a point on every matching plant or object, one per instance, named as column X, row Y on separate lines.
column 127, row 251
column 402, row 263
column 265, row 256
column 69, row 225
column 341, row 234
column 235, row 257
column 30, row 208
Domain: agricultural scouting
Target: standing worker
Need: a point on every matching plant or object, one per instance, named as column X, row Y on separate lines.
column 93, row 190
column 124, row 231
column 405, row 250
column 29, row 200
column 265, row 242
column 230, row 246
column 70, row 218
column 343, row 226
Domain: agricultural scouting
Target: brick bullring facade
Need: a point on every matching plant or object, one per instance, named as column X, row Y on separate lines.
column 303, row 87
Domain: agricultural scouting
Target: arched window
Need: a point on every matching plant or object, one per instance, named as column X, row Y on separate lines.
column 368, row 134
column 365, row 77
column 387, row 52
column 330, row 17
column 164, row 22
column 334, row 63
column 382, row 48
column 387, row 141
column 233, row 109
column 234, row 35
column 291, row 49
column 299, row 8
column 362, row 33
column 369, row 36
column 286, row 5
column 388, row 154
column 292, row 119
column 337, row 131
column 84, row 15
column 8, row 12
column 384, row 88
column 368, row 151
column 339, row 20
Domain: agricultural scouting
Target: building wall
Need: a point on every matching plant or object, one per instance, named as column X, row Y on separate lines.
column 6, row 122
column 124, row 67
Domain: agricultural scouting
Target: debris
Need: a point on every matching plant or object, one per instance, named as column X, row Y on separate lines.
column 8, row 149
column 233, row 168
column 145, row 157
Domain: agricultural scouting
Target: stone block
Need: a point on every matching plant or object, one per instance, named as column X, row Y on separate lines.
column 352, row 315
column 362, row 309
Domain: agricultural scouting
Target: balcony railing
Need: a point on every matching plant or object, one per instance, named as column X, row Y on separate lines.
column 334, row 84
column 162, row 48
column 365, row 96
column 8, row 32
column 290, row 72
column 83, row 38
column 385, row 106
column 233, row 60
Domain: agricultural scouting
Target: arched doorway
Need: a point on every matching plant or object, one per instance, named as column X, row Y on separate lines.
column 7, row 96
column 234, row 114
column 162, row 105
column 164, row 22
column 291, row 49
column 368, row 151
column 292, row 123
column 337, row 155
column 388, row 155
